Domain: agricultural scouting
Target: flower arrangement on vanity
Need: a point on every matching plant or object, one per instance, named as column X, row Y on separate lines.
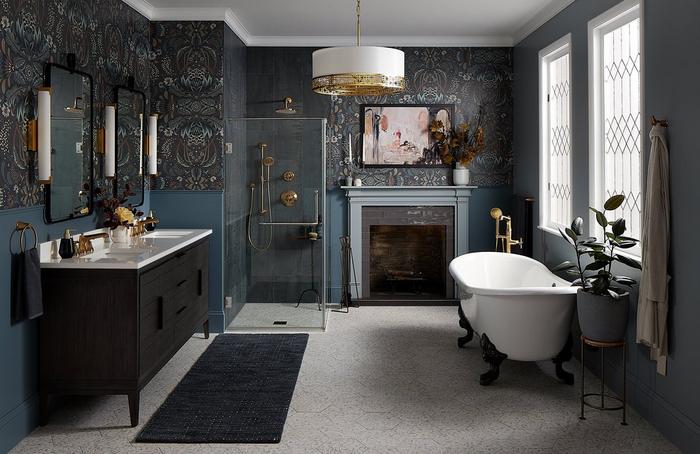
column 458, row 146
column 603, row 297
column 119, row 216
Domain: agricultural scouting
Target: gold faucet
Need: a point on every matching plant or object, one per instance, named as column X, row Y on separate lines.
column 505, row 241
column 139, row 228
column 85, row 242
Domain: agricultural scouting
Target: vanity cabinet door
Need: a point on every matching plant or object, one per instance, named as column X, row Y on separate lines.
column 173, row 300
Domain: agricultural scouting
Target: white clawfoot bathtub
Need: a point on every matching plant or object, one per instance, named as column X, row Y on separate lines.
column 517, row 306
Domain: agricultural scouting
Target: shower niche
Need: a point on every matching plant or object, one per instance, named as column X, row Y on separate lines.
column 275, row 244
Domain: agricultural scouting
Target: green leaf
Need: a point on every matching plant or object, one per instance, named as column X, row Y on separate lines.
column 614, row 294
column 626, row 244
column 601, row 219
column 567, row 265
column 577, row 226
column 628, row 261
column 571, row 234
column 614, row 202
column 624, row 280
column 593, row 266
column 619, row 227
column 566, row 237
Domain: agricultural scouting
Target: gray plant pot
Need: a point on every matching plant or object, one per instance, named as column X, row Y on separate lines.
column 602, row 318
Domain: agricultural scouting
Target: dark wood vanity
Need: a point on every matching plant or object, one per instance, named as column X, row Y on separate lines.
column 109, row 331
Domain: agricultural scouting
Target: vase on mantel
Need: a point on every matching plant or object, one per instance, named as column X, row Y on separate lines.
column 120, row 234
column 460, row 175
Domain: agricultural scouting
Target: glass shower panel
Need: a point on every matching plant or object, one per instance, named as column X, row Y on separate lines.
column 275, row 242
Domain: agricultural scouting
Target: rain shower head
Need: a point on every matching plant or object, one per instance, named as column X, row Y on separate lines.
column 287, row 109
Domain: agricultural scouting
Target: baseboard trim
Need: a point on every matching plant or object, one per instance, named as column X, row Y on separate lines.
column 18, row 423
column 404, row 302
column 217, row 321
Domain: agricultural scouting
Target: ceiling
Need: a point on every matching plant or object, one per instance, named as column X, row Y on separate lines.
column 384, row 22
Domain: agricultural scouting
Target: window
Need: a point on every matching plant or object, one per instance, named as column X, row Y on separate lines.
column 555, row 134
column 615, row 61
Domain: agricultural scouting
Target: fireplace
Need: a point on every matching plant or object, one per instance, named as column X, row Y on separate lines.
column 403, row 239
column 406, row 252
column 407, row 261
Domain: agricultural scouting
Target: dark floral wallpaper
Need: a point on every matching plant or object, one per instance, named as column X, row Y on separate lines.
column 111, row 42
column 465, row 77
column 187, row 76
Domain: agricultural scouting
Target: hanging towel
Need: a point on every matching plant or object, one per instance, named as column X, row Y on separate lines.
column 652, row 309
column 26, row 285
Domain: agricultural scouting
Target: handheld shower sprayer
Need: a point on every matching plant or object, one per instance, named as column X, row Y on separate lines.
column 265, row 163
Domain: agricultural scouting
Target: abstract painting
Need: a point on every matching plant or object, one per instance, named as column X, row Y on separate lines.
column 398, row 135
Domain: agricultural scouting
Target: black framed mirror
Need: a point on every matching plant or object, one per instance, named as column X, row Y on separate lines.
column 130, row 132
column 69, row 195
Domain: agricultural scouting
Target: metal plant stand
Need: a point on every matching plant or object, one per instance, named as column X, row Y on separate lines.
column 622, row 402
column 317, row 295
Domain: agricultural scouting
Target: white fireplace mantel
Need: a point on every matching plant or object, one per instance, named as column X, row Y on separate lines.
column 418, row 196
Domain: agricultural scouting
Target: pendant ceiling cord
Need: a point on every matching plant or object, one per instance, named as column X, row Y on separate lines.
column 358, row 23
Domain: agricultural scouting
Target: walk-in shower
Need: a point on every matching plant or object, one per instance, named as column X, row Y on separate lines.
column 275, row 235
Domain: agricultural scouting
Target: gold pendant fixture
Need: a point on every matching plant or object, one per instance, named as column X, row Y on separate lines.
column 358, row 70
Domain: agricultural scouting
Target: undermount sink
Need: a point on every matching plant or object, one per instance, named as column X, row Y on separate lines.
column 168, row 234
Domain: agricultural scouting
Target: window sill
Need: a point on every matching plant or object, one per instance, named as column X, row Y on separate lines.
column 548, row 229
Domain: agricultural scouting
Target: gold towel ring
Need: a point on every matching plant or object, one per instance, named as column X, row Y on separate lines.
column 22, row 228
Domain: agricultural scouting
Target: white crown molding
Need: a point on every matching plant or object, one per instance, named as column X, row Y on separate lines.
column 394, row 41
column 541, row 18
column 142, row 6
column 228, row 16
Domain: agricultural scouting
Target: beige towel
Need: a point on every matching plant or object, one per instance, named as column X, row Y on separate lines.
column 652, row 309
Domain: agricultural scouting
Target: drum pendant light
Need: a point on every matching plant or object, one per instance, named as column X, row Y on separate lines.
column 358, row 70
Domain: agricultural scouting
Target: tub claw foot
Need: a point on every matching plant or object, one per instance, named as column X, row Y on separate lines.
column 464, row 323
column 564, row 356
column 494, row 358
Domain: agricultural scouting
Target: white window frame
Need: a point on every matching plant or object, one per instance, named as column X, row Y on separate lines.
column 620, row 14
column 557, row 49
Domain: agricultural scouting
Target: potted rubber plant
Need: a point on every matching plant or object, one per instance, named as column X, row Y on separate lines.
column 603, row 297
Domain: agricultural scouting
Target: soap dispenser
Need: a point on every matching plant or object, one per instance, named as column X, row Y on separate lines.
column 67, row 248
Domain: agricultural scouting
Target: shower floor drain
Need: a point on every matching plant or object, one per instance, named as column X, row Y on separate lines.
column 279, row 322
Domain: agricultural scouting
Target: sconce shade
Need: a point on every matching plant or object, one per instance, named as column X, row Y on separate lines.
column 153, row 144
column 110, row 141
column 140, row 144
column 44, row 125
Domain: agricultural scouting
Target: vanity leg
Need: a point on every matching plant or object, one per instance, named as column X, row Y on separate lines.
column 205, row 328
column 464, row 323
column 494, row 358
column 134, row 407
column 43, row 408
column 565, row 355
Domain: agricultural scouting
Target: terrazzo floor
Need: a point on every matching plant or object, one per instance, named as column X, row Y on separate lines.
column 380, row 380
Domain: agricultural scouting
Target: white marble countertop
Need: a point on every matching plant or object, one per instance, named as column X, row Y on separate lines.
column 137, row 253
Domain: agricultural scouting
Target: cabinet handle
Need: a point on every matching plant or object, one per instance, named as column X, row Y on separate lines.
column 181, row 283
column 160, row 312
column 199, row 286
column 179, row 311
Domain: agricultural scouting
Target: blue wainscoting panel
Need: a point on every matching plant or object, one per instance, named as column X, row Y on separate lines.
column 198, row 210
column 19, row 351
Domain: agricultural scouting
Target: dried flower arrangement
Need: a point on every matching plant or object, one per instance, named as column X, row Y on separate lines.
column 461, row 145
column 117, row 212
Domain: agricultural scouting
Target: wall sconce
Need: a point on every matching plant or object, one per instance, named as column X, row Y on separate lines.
column 106, row 141
column 152, row 149
column 39, row 134
column 110, row 140
column 141, row 149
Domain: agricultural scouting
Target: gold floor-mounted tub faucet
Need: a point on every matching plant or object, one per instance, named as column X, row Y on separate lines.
column 505, row 241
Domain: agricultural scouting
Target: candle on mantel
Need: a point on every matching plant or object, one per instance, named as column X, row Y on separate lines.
column 350, row 147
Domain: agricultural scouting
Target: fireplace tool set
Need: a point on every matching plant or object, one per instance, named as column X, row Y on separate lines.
column 347, row 263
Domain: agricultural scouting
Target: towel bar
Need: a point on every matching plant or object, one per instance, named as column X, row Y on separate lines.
column 22, row 227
